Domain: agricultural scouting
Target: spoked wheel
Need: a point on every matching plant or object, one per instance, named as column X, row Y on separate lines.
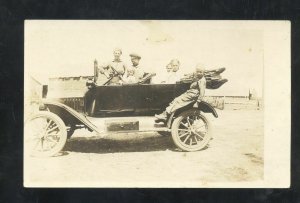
column 45, row 135
column 191, row 131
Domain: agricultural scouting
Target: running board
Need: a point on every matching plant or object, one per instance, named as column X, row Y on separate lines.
column 128, row 125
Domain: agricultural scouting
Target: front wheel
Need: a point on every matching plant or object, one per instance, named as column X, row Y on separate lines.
column 191, row 131
column 45, row 134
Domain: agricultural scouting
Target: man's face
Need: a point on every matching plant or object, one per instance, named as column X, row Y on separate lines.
column 117, row 54
column 135, row 61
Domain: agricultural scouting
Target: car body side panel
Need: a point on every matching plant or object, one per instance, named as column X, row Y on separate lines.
column 126, row 100
column 132, row 100
column 136, row 100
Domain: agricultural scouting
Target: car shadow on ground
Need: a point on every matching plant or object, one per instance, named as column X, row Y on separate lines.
column 111, row 145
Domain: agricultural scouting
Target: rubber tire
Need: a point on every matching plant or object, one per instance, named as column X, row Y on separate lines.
column 174, row 130
column 63, row 138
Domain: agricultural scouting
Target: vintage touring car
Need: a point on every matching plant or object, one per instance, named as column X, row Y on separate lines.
column 123, row 108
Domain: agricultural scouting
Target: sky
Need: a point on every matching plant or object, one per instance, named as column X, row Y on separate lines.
column 68, row 48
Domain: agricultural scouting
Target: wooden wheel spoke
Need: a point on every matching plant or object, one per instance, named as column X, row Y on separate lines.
column 191, row 140
column 187, row 137
column 52, row 129
column 196, row 140
column 184, row 130
column 48, row 124
column 56, row 134
column 51, row 140
column 181, row 123
column 182, row 135
column 200, row 135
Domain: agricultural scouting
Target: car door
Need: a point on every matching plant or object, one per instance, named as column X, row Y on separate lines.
column 163, row 94
column 114, row 100
column 143, row 99
column 154, row 98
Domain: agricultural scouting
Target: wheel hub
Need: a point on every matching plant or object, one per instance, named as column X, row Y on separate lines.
column 192, row 130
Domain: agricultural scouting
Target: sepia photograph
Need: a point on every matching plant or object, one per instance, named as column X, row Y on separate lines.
column 157, row 103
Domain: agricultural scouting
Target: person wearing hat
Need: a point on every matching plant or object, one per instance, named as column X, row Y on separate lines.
column 115, row 69
column 195, row 93
column 138, row 71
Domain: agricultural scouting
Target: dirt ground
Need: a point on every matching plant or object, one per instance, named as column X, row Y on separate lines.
column 148, row 159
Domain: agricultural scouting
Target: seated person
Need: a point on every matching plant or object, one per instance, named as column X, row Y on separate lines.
column 140, row 75
column 115, row 69
column 165, row 78
column 213, row 78
column 195, row 93
column 174, row 77
column 170, row 76
column 138, row 71
column 129, row 78
column 169, row 68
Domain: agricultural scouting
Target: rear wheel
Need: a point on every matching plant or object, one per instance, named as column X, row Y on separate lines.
column 45, row 134
column 191, row 131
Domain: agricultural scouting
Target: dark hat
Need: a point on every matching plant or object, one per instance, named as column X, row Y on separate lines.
column 134, row 55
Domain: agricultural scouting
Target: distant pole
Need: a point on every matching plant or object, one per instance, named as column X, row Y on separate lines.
column 250, row 95
column 95, row 70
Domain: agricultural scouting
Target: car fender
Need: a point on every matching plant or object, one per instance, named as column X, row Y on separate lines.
column 203, row 106
column 68, row 115
column 207, row 108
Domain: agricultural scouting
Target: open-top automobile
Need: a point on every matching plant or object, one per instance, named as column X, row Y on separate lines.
column 124, row 108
